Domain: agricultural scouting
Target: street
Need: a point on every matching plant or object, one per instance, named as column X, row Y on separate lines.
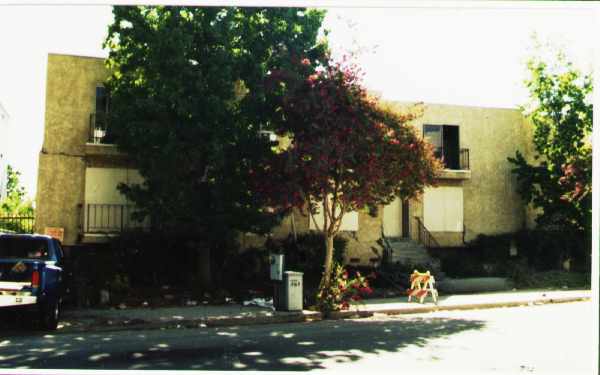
column 552, row 338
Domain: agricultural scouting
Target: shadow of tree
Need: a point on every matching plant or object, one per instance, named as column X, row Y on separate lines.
column 290, row 347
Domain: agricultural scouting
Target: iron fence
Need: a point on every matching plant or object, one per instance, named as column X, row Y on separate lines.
column 17, row 224
column 464, row 159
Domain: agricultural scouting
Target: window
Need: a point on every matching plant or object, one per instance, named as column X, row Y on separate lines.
column 349, row 221
column 101, row 100
column 446, row 143
column 443, row 209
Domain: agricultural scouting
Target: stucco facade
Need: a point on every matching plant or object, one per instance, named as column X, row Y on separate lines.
column 66, row 152
column 486, row 190
column 480, row 198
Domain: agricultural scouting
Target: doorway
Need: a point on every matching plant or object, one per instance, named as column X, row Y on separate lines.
column 396, row 219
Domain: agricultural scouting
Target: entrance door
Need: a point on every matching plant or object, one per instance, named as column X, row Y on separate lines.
column 405, row 219
column 392, row 223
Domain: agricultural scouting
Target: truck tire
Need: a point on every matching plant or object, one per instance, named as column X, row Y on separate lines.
column 49, row 315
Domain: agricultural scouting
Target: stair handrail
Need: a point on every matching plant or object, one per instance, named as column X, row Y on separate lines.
column 387, row 247
column 424, row 235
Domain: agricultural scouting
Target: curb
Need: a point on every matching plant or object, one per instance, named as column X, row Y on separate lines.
column 473, row 306
column 140, row 324
column 304, row 316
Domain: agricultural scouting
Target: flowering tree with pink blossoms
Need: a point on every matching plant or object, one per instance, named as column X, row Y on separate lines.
column 346, row 153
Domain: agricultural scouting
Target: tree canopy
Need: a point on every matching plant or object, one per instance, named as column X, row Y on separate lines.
column 560, row 109
column 346, row 152
column 188, row 102
column 15, row 203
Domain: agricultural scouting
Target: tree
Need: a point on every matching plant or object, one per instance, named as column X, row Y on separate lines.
column 560, row 109
column 15, row 203
column 346, row 152
column 188, row 102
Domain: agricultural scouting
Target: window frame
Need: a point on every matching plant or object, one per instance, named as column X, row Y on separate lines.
column 442, row 149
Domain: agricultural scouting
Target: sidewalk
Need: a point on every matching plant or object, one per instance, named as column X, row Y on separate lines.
column 85, row 320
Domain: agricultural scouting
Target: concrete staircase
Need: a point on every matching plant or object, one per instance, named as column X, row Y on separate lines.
column 407, row 251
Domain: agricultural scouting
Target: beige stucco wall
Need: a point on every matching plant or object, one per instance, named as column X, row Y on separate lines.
column 70, row 98
column 491, row 202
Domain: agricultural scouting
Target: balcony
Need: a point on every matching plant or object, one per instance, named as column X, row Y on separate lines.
column 457, row 167
column 100, row 142
column 105, row 220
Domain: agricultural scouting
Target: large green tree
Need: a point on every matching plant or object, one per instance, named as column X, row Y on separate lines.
column 559, row 181
column 188, row 104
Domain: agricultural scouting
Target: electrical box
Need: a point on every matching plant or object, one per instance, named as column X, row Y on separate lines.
column 292, row 291
column 276, row 261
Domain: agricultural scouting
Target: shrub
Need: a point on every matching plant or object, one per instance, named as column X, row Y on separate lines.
column 247, row 270
column 546, row 250
column 344, row 289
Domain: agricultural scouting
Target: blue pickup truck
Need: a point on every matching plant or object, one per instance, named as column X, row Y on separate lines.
column 31, row 276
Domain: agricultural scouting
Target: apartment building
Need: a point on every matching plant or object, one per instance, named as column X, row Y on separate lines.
column 80, row 169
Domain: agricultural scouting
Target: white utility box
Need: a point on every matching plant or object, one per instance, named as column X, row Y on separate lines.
column 292, row 291
column 276, row 261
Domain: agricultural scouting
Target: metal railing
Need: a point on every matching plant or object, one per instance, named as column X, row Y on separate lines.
column 17, row 224
column 464, row 159
column 99, row 132
column 109, row 218
column 424, row 236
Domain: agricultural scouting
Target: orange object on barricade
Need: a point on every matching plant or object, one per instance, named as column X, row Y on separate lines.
column 422, row 284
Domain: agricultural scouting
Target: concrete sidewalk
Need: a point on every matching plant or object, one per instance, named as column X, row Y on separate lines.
column 233, row 314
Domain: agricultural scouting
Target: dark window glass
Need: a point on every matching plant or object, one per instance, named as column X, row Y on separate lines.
column 101, row 100
column 22, row 247
column 445, row 141
column 433, row 133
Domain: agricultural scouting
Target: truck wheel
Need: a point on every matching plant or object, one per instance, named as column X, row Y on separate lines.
column 49, row 315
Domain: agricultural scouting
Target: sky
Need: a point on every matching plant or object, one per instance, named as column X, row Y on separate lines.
column 468, row 55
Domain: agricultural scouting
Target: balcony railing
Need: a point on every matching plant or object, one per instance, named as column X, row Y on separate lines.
column 109, row 218
column 464, row 159
column 99, row 130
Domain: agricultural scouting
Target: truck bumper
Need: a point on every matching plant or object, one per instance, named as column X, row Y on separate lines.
column 16, row 300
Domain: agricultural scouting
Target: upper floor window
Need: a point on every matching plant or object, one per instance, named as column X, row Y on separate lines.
column 101, row 99
column 445, row 142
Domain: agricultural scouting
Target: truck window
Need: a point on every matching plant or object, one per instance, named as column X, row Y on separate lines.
column 23, row 248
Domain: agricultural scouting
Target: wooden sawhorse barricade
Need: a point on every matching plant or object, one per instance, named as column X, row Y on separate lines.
column 422, row 284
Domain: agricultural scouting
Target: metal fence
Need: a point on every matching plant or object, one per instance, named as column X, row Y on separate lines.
column 17, row 224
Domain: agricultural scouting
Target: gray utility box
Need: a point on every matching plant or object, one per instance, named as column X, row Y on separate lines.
column 276, row 261
column 289, row 294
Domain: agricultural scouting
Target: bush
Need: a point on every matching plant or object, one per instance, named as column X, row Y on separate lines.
column 344, row 289
column 462, row 262
column 249, row 270
column 546, row 250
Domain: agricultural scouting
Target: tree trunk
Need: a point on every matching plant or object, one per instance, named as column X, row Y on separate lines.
column 326, row 279
column 204, row 277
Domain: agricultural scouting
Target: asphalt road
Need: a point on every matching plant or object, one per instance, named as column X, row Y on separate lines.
column 536, row 339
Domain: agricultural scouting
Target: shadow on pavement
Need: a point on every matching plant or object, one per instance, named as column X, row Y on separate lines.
column 291, row 347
